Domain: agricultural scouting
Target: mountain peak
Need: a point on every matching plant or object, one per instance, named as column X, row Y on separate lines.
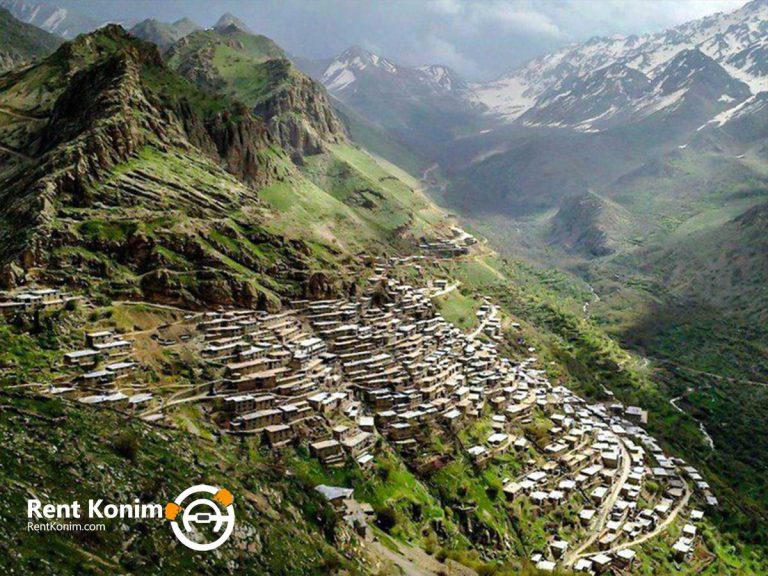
column 228, row 21
column 162, row 33
column 443, row 76
column 356, row 50
column 359, row 58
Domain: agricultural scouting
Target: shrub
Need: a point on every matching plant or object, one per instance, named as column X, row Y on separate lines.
column 126, row 444
column 386, row 518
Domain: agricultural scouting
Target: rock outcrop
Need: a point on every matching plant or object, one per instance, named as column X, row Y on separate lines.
column 294, row 108
column 144, row 185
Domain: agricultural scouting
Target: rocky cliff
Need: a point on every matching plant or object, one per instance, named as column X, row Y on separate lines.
column 127, row 173
column 251, row 68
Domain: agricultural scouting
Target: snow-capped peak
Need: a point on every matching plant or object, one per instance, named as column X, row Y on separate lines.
column 356, row 64
column 736, row 41
column 442, row 76
column 361, row 58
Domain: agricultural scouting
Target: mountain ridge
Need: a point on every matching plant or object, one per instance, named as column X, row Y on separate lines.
column 296, row 111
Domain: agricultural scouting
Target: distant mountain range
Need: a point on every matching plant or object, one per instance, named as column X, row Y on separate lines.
column 162, row 33
column 605, row 80
column 60, row 21
column 716, row 63
column 20, row 43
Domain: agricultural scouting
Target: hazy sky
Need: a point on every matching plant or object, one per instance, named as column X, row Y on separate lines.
column 479, row 38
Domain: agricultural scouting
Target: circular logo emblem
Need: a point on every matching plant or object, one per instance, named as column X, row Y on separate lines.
column 215, row 511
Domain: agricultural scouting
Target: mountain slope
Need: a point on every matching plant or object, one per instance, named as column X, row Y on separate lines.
column 162, row 33
column 256, row 71
column 120, row 167
column 94, row 453
column 21, row 43
column 590, row 225
column 101, row 162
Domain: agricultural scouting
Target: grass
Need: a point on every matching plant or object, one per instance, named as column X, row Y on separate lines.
column 91, row 462
column 458, row 309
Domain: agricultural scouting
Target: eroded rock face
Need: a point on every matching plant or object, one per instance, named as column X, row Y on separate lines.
column 76, row 210
column 298, row 114
column 295, row 109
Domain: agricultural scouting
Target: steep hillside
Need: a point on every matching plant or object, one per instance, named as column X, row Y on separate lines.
column 122, row 169
column 721, row 265
column 20, row 43
column 107, row 455
column 362, row 194
column 231, row 60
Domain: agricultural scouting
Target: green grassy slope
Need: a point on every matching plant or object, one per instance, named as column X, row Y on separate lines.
column 102, row 454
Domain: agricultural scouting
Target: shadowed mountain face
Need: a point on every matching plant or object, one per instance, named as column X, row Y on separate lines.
column 589, row 225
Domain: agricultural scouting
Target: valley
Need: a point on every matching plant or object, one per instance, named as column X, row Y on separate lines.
column 637, row 166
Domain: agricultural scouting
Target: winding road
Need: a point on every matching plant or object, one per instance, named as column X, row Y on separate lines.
column 605, row 509
column 488, row 317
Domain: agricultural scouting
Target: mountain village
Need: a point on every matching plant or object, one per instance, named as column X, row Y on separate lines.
column 342, row 376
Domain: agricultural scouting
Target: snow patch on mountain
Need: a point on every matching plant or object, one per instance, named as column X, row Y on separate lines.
column 738, row 41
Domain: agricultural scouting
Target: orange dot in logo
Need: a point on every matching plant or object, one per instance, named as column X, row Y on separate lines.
column 172, row 510
column 224, row 497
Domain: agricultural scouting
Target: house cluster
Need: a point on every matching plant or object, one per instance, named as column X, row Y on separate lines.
column 332, row 373
column 33, row 300
column 103, row 369
column 457, row 245
column 602, row 461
